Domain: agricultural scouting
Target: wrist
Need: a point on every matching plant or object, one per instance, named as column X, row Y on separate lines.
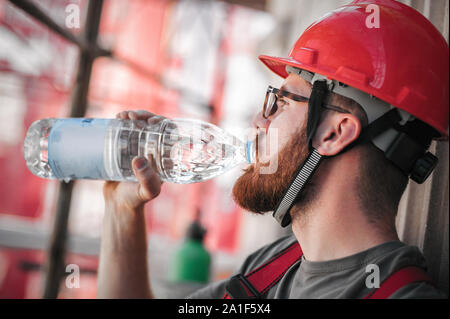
column 123, row 221
column 124, row 227
column 123, row 208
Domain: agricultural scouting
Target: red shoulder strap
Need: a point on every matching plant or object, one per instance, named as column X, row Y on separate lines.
column 397, row 280
column 257, row 282
column 260, row 280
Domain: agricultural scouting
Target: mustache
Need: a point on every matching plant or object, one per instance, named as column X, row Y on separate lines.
column 258, row 192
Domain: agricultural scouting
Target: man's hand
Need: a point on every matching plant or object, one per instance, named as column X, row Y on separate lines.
column 130, row 196
column 123, row 266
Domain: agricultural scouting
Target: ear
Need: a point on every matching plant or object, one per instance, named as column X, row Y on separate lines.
column 335, row 132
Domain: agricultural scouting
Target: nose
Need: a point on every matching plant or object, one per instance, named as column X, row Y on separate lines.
column 259, row 122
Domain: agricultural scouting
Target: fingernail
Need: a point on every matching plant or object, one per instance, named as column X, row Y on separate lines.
column 141, row 163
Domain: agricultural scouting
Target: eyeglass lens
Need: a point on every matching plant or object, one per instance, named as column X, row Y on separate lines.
column 270, row 107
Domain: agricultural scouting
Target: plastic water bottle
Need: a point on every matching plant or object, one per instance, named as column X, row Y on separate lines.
column 184, row 150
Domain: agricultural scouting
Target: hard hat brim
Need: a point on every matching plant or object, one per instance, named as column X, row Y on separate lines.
column 278, row 66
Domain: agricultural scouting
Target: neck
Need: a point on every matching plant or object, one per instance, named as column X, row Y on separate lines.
column 334, row 225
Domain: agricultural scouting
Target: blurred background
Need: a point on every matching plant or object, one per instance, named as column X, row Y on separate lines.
column 191, row 58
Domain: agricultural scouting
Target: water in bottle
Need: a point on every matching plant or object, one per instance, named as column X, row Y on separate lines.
column 184, row 150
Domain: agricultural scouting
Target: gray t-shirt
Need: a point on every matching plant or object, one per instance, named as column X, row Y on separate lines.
column 340, row 278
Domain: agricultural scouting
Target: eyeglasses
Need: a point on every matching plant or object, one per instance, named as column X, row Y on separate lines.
column 272, row 99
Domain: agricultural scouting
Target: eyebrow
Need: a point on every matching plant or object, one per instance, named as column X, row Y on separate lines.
column 326, row 105
column 284, row 88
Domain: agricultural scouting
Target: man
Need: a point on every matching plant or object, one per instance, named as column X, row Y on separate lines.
column 353, row 121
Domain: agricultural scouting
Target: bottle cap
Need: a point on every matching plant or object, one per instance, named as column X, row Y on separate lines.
column 196, row 231
column 250, row 152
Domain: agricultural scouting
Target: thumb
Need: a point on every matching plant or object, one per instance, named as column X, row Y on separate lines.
column 149, row 182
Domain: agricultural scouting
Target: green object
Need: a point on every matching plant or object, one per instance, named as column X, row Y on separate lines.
column 191, row 261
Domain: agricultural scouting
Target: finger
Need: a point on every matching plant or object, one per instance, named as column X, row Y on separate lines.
column 155, row 119
column 122, row 115
column 149, row 180
column 144, row 114
column 140, row 115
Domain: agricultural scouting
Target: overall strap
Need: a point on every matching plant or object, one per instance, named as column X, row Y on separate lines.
column 257, row 282
column 397, row 280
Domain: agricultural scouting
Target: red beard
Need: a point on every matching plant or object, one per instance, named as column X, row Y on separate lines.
column 260, row 193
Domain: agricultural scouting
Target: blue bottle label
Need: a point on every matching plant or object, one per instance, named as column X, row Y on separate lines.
column 75, row 148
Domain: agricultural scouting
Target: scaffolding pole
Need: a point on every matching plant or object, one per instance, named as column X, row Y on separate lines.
column 57, row 247
column 39, row 15
column 89, row 51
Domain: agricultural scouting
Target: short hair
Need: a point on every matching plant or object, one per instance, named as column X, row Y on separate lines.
column 380, row 183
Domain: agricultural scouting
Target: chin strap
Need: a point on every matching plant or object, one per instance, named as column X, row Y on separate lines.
column 310, row 165
column 318, row 96
column 303, row 175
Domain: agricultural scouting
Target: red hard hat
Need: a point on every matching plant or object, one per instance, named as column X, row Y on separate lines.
column 404, row 61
